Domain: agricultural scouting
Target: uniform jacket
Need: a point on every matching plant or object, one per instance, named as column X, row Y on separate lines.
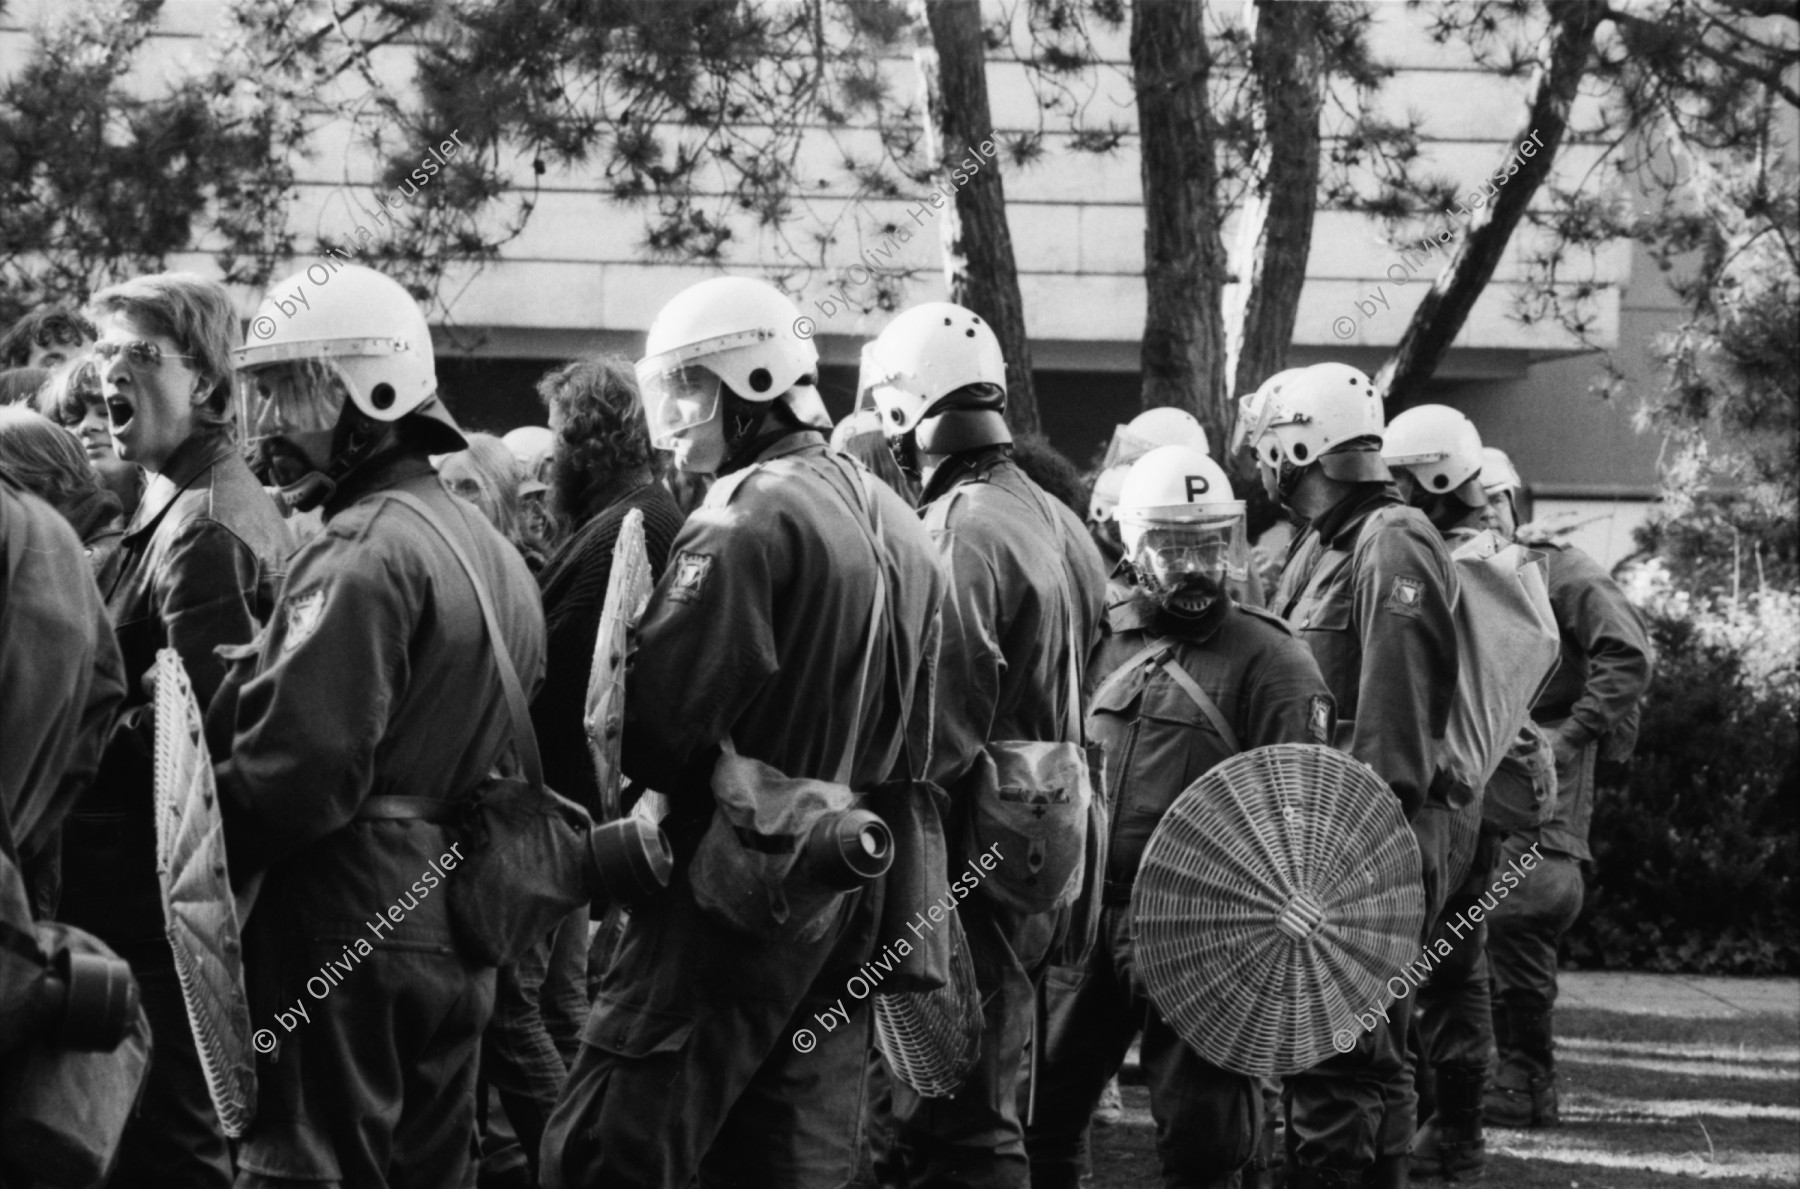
column 1370, row 588
column 758, row 629
column 198, row 568
column 1606, row 657
column 1263, row 680
column 376, row 676
column 1022, row 569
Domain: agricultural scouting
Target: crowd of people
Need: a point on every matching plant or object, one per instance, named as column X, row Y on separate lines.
column 383, row 615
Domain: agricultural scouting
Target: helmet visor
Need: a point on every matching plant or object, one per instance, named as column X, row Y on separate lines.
column 677, row 397
column 1169, row 542
column 889, row 391
column 1125, row 448
column 1256, row 414
column 292, row 397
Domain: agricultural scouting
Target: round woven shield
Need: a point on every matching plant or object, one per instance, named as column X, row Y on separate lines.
column 1276, row 899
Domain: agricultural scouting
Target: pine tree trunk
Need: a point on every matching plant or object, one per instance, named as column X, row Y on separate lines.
column 1440, row 317
column 978, row 251
column 1184, row 257
column 1289, row 64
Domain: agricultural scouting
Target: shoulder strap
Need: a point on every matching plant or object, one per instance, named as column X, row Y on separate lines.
column 863, row 512
column 1204, row 701
column 524, row 736
column 1072, row 674
column 1119, row 674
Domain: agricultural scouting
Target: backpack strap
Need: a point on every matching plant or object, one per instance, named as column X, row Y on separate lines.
column 1119, row 674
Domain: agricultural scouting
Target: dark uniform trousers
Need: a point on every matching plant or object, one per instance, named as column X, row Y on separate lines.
column 705, row 1039
column 396, row 1038
column 976, row 1137
column 1207, row 1118
column 1529, row 923
column 1455, row 1029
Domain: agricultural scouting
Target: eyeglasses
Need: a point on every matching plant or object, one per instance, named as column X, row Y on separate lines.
column 140, row 354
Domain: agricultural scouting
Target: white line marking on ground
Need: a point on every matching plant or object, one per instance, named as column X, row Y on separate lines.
column 1693, row 1069
column 1760, row 1166
column 1765, row 1054
column 1604, row 1108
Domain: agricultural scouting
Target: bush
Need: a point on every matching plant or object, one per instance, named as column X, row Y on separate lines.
column 1697, row 857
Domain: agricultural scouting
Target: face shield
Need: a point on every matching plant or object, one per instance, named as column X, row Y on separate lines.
column 292, row 397
column 1125, row 448
column 883, row 387
column 1256, row 415
column 1184, row 553
column 679, row 393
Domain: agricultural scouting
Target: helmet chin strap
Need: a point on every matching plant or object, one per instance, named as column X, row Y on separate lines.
column 356, row 439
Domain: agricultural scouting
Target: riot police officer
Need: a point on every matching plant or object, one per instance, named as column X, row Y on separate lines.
column 1369, row 587
column 1189, row 678
column 706, row 1054
column 1026, row 585
column 355, row 731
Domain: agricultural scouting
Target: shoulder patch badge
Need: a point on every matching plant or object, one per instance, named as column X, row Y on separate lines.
column 300, row 617
column 1405, row 596
column 691, row 570
column 1318, row 719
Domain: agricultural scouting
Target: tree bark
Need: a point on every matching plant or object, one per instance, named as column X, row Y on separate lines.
column 1440, row 317
column 978, row 251
column 1289, row 65
column 1184, row 256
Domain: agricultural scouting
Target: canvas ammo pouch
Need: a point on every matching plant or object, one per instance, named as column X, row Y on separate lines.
column 529, row 860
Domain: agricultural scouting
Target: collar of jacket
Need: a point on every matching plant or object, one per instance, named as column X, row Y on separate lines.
column 190, row 460
column 792, row 443
column 972, row 466
column 387, row 469
column 1339, row 526
column 1137, row 612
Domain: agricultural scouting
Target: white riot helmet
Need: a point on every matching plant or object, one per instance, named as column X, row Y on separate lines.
column 1498, row 475
column 737, row 332
column 924, row 355
column 1106, row 493
column 1182, row 528
column 1312, row 414
column 360, row 336
column 1166, row 426
column 1438, row 445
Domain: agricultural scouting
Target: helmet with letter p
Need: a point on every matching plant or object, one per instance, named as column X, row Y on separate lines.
column 358, row 349
column 1182, row 528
